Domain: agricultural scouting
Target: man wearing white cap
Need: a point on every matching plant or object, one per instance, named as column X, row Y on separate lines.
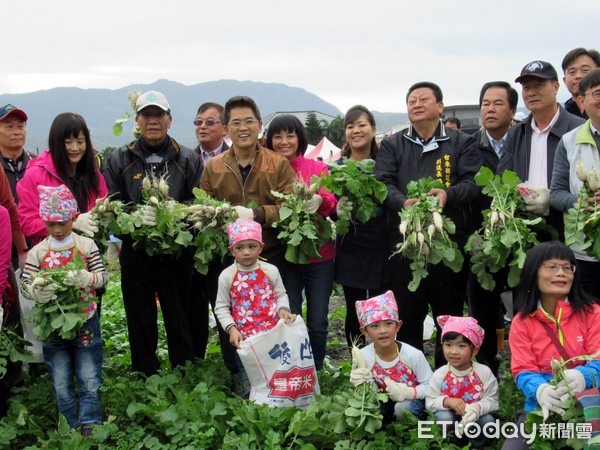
column 144, row 277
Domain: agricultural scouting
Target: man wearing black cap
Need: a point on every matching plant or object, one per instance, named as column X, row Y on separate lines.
column 530, row 145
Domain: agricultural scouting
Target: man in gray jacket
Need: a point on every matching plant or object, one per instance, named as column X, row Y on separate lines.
column 582, row 143
column 530, row 145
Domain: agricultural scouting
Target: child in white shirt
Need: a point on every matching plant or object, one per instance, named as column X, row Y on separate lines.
column 396, row 367
column 463, row 391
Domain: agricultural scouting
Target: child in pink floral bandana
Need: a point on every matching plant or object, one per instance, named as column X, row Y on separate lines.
column 464, row 391
column 251, row 297
column 396, row 367
column 81, row 357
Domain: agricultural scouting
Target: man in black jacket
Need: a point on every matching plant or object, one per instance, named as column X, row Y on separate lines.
column 428, row 149
column 530, row 145
column 498, row 105
column 143, row 277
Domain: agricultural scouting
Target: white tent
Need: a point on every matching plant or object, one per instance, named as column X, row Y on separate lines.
column 324, row 150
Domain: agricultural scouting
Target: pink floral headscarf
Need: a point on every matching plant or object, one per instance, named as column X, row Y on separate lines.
column 244, row 229
column 382, row 307
column 466, row 326
column 57, row 204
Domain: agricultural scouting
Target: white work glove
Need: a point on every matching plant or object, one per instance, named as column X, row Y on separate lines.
column 549, row 398
column 311, row 205
column 540, row 202
column 42, row 293
column 399, row 392
column 472, row 414
column 243, row 212
column 343, row 207
column 86, row 223
column 360, row 375
column 574, row 382
column 79, row 278
column 148, row 215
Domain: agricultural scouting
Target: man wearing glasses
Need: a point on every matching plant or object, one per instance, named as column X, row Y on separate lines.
column 245, row 175
column 209, row 126
column 210, row 130
column 582, row 142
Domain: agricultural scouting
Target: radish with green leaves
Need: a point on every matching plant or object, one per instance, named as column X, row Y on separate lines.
column 425, row 218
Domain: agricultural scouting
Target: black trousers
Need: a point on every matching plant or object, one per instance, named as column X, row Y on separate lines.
column 443, row 290
column 143, row 279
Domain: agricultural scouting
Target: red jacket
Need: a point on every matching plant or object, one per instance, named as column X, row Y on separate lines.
column 305, row 169
column 5, row 249
column 41, row 172
column 531, row 348
column 7, row 200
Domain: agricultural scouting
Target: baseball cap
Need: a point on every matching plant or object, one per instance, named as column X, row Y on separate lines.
column 539, row 69
column 152, row 98
column 9, row 109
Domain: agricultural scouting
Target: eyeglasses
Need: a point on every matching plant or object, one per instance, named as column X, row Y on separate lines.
column 553, row 267
column 246, row 123
column 595, row 95
column 207, row 122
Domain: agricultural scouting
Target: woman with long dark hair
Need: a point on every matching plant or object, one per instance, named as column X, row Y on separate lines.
column 362, row 253
column 554, row 320
column 286, row 135
column 69, row 160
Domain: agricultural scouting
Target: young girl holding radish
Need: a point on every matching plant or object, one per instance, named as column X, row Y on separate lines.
column 395, row 367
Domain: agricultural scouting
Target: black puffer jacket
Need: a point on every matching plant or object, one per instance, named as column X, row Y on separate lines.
column 127, row 166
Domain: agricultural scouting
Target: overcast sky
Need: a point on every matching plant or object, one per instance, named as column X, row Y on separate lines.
column 346, row 51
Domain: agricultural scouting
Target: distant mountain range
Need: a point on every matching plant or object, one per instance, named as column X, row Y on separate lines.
column 101, row 107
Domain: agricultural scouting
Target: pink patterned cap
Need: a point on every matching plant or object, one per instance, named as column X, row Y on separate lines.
column 244, row 229
column 57, row 204
column 382, row 307
column 467, row 326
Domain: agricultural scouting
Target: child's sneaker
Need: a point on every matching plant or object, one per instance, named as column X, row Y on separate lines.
column 86, row 431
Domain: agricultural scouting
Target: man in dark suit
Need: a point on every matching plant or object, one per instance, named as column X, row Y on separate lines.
column 210, row 132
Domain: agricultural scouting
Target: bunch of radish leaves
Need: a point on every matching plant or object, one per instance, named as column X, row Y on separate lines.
column 209, row 218
column 354, row 180
column 171, row 234
column 108, row 215
column 303, row 233
column 582, row 220
column 507, row 232
column 12, row 348
column 425, row 233
column 63, row 316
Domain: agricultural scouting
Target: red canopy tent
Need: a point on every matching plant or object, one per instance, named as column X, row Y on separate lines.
column 324, row 150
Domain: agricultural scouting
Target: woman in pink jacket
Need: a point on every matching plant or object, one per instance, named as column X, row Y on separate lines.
column 554, row 320
column 286, row 136
column 71, row 161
